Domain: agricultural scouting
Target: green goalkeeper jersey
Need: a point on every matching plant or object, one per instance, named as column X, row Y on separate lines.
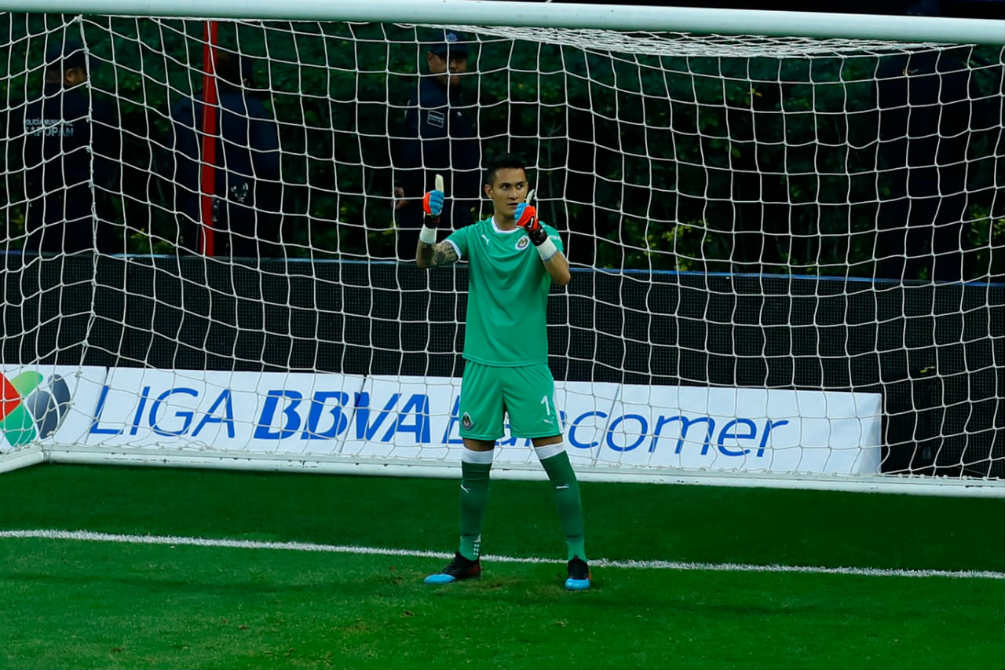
column 507, row 295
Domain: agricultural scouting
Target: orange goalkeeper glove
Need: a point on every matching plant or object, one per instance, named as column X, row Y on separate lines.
column 526, row 218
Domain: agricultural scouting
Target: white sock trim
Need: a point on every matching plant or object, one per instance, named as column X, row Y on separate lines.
column 478, row 457
column 549, row 450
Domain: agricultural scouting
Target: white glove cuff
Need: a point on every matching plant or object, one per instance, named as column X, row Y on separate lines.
column 546, row 250
column 427, row 235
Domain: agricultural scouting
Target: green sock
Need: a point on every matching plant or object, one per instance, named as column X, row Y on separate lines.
column 474, row 497
column 570, row 505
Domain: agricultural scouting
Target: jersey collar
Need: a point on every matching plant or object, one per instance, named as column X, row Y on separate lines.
column 500, row 230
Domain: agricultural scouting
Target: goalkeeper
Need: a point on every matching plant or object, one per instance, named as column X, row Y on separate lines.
column 513, row 260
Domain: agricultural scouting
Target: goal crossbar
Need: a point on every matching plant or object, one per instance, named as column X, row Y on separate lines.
column 820, row 25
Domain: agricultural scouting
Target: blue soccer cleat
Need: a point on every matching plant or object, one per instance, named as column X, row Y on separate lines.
column 579, row 575
column 458, row 569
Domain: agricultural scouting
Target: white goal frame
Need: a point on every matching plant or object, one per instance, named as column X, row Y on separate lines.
column 821, row 25
column 548, row 15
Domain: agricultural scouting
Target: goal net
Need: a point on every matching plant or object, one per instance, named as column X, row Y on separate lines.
column 786, row 252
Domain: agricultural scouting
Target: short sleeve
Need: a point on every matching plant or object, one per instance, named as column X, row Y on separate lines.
column 459, row 238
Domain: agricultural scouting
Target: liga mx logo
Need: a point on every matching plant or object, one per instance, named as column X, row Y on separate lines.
column 29, row 409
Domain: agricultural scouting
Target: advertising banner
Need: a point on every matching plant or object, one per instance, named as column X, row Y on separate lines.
column 46, row 404
column 302, row 416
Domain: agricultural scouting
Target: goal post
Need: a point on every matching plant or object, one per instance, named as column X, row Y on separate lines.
column 786, row 233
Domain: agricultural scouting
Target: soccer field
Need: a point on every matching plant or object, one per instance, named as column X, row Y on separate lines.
column 283, row 570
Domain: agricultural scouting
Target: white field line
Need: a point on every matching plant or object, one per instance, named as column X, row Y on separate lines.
column 88, row 536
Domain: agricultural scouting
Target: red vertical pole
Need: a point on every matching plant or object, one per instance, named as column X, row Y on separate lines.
column 208, row 165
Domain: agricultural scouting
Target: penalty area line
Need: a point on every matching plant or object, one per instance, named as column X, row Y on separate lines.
column 174, row 540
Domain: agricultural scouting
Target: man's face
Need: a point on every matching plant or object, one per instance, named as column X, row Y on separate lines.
column 73, row 76
column 507, row 190
column 448, row 67
column 67, row 78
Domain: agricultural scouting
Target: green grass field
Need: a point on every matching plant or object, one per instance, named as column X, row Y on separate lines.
column 88, row 604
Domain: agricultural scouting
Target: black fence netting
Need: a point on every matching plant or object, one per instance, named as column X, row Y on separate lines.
column 934, row 350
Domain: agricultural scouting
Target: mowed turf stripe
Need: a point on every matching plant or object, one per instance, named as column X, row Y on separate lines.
column 88, row 536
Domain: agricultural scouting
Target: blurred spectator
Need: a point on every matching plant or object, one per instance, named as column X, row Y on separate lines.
column 438, row 137
column 71, row 160
column 246, row 202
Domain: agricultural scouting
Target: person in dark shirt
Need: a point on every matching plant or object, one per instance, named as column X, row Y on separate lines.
column 437, row 137
column 71, row 160
column 246, row 202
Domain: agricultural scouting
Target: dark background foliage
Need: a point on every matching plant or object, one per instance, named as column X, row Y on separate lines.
column 858, row 164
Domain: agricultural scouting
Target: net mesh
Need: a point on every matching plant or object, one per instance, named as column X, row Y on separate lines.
column 741, row 213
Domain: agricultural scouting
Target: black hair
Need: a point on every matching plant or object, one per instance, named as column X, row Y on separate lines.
column 456, row 42
column 64, row 55
column 232, row 71
column 506, row 161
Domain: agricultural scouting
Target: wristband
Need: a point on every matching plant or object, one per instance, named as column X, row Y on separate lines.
column 427, row 235
column 546, row 250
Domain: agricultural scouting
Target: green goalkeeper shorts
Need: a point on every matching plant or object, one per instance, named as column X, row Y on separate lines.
column 526, row 394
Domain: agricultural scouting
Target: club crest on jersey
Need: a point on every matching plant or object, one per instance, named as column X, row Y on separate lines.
column 522, row 243
column 466, row 420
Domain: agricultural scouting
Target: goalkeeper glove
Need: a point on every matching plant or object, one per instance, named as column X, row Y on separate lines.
column 526, row 218
column 432, row 203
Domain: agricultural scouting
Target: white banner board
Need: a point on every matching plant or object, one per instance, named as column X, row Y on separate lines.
column 300, row 416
